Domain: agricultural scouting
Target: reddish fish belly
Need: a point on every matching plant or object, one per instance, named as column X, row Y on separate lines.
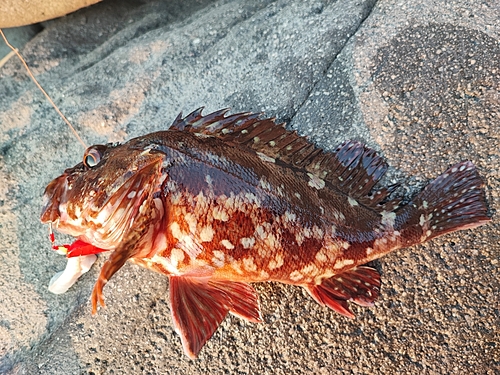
column 264, row 253
column 238, row 240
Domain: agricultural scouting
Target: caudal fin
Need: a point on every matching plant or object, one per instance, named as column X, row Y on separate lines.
column 453, row 201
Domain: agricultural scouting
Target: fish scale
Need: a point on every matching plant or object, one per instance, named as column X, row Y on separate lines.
column 218, row 202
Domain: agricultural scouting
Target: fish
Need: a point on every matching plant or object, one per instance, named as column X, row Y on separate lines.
column 218, row 202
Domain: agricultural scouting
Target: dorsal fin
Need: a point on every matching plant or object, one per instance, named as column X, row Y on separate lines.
column 352, row 168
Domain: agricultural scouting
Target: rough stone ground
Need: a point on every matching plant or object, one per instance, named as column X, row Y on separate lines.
column 419, row 81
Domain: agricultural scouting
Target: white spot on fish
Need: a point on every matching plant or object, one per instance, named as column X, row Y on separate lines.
column 191, row 221
column 369, row 250
column 193, row 249
column 318, row 233
column 425, row 205
column 208, row 179
column 346, row 245
column 297, row 195
column 206, row 234
column 341, row 263
column 175, row 198
column 422, row 220
column 219, row 213
column 264, row 184
column 132, row 194
column 263, row 274
column 388, row 219
column 266, row 158
column 260, row 231
column 218, row 258
column 271, row 241
column 164, row 263
column 339, row 216
column 290, row 216
column 277, row 262
column 227, row 244
column 321, row 256
column 247, row 242
column 280, row 191
column 176, row 230
column 352, row 202
column 176, row 256
column 296, row 276
column 315, row 182
column 310, row 269
column 299, row 237
column 249, row 265
column 252, row 199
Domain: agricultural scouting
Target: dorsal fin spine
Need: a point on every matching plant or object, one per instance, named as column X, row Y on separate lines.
column 352, row 168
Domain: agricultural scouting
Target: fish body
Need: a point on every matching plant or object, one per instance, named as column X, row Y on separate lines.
column 218, row 202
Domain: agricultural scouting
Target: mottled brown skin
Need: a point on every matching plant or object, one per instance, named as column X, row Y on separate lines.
column 216, row 202
column 241, row 178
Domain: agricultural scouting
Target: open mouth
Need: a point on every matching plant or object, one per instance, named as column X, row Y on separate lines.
column 54, row 191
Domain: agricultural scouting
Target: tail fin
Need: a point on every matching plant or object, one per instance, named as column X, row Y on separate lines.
column 453, row 201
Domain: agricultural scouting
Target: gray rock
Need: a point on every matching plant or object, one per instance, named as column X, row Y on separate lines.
column 17, row 37
column 416, row 80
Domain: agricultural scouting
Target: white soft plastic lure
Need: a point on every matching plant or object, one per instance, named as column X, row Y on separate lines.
column 75, row 268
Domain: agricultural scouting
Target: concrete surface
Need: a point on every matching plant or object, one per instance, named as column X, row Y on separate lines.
column 419, row 81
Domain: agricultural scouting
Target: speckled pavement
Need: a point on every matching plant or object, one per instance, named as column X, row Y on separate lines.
column 418, row 81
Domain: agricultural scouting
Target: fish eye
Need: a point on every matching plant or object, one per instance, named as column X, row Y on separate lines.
column 92, row 157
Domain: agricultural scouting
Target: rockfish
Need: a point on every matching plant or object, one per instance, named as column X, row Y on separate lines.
column 219, row 202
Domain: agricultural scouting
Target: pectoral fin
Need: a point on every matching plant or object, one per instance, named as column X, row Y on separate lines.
column 199, row 305
column 360, row 285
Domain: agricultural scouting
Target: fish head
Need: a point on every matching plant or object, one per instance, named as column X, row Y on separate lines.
column 98, row 199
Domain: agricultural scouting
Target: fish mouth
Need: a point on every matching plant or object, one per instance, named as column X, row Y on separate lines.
column 54, row 191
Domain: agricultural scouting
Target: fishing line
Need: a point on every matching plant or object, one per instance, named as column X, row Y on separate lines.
column 16, row 52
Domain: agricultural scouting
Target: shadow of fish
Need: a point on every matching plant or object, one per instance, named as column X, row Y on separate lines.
column 217, row 202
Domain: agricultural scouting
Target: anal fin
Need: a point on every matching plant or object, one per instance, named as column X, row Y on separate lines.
column 360, row 285
column 199, row 305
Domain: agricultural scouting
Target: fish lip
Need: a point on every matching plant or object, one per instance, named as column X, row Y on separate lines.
column 54, row 191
